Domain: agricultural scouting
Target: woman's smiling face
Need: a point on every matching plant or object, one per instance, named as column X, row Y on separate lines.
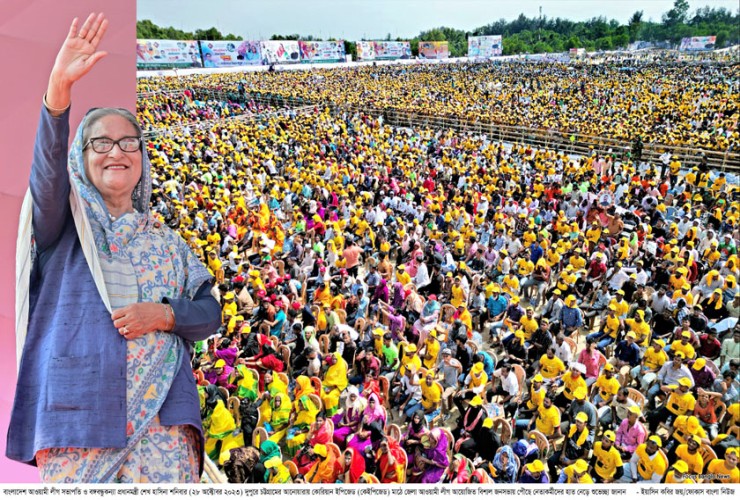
column 115, row 173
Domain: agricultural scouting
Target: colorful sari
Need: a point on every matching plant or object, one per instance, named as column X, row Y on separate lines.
column 433, row 473
column 347, row 422
column 356, row 467
column 133, row 258
column 391, row 465
column 275, row 387
column 374, row 414
column 299, row 431
column 279, row 417
column 248, row 386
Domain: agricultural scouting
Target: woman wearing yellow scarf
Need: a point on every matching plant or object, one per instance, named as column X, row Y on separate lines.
column 222, row 435
column 305, row 416
column 274, row 386
column 247, row 384
column 303, row 387
column 277, row 472
column 280, row 417
column 335, row 381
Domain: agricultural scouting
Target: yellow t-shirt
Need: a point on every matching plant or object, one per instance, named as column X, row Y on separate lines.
column 529, row 326
column 430, row 394
column 680, row 404
column 611, row 326
column 687, row 349
column 717, row 467
column 570, row 384
column 622, row 306
column 695, row 461
column 608, row 387
column 647, row 466
column 654, row 360
column 547, row 419
column 551, row 368
column 536, row 397
column 607, row 461
column 641, row 330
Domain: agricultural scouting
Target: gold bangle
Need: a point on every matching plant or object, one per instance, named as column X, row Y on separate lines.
column 55, row 110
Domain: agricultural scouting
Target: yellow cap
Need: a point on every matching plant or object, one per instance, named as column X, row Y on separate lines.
column 488, row 423
column 536, row 466
column 699, row 364
column 580, row 466
column 582, row 417
column 656, row 440
column 685, row 381
column 681, row 466
column 580, row 393
column 610, row 435
column 220, row 364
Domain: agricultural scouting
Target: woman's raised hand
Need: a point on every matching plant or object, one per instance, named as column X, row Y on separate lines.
column 78, row 54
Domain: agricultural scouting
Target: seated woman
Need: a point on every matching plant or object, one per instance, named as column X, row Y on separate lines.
column 417, row 428
column 354, row 467
column 459, row 470
column 279, row 417
column 277, row 473
column 390, row 462
column 505, row 466
column 348, row 421
column 268, row 450
column 470, row 430
column 432, row 458
column 373, row 416
column 335, row 381
column 272, row 385
column 318, row 433
column 327, row 467
column 222, row 434
column 300, row 424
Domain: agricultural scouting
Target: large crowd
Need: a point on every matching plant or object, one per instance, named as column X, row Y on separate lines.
column 670, row 104
column 423, row 306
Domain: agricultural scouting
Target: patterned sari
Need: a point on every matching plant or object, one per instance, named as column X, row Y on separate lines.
column 133, row 258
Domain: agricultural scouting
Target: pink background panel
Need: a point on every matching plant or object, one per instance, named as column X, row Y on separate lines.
column 31, row 32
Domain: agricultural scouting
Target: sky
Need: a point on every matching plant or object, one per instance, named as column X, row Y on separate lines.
column 373, row 19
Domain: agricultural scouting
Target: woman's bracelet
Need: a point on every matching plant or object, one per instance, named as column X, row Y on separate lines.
column 169, row 317
column 54, row 110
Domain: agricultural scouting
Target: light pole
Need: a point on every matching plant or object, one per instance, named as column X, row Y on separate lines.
column 539, row 30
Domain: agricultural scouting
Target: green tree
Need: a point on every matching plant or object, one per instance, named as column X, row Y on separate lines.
column 677, row 14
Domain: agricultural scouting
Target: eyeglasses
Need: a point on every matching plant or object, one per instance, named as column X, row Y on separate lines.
column 105, row 144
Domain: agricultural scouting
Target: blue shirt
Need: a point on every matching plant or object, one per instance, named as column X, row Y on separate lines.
column 627, row 353
column 571, row 317
column 496, row 306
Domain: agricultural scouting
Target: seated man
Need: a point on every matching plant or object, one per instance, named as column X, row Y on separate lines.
column 606, row 463
column 646, row 464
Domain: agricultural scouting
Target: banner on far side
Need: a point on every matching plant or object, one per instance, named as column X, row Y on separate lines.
column 221, row 54
column 322, row 52
column 375, row 51
column 698, row 43
column 280, row 52
column 434, row 50
column 485, row 46
column 169, row 53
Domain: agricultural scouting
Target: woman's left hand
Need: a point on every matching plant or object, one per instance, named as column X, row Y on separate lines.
column 135, row 320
